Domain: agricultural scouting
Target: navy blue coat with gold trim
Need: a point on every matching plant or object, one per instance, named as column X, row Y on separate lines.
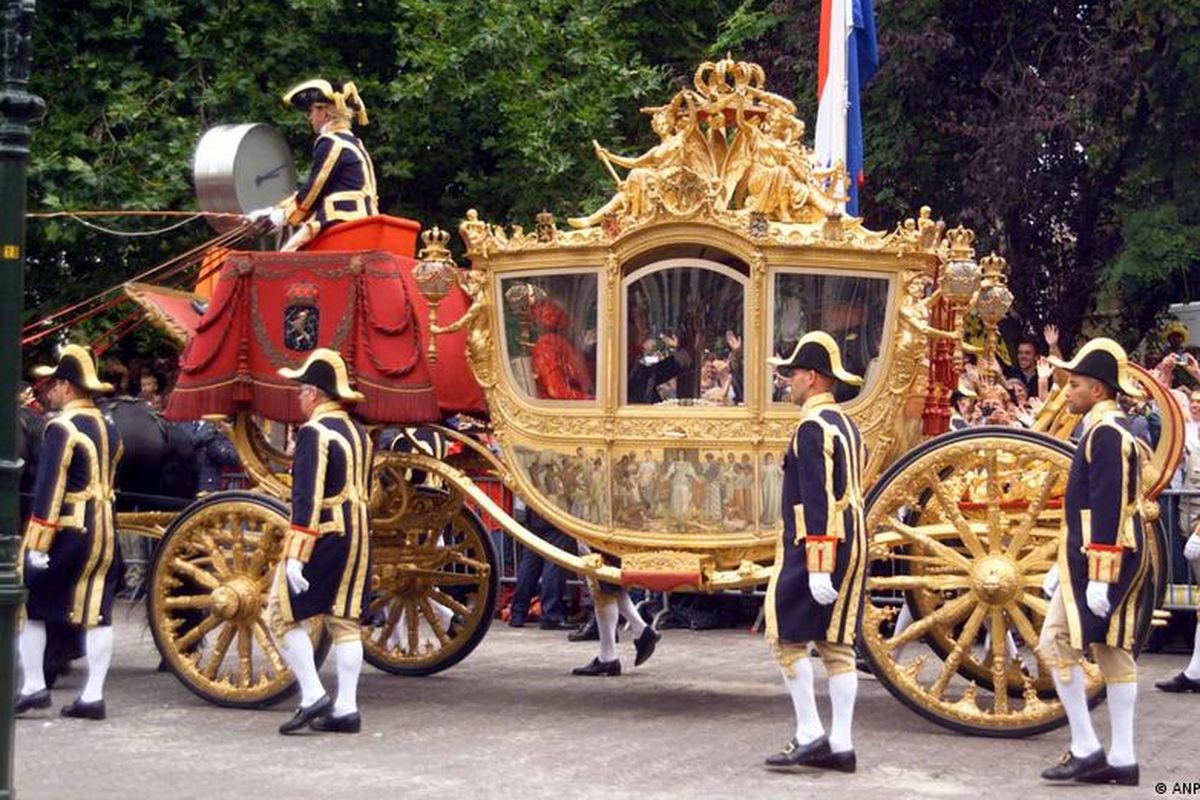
column 1105, row 538
column 823, row 529
column 331, row 473
column 71, row 519
column 340, row 186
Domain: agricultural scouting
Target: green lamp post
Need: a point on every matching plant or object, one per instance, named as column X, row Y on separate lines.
column 18, row 109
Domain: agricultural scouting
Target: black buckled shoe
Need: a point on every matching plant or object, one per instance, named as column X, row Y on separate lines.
column 82, row 710
column 598, row 667
column 1072, row 767
column 29, row 702
column 794, row 754
column 587, row 632
column 1180, row 683
column 645, row 645
column 306, row 714
column 347, row 723
column 554, row 625
column 1119, row 776
column 842, row 761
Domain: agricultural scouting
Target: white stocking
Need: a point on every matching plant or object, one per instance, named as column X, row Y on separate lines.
column 297, row 651
column 349, row 665
column 98, row 645
column 843, row 688
column 804, row 701
column 1121, row 699
column 903, row 620
column 1192, row 671
column 1073, row 695
column 607, row 616
column 32, row 645
column 629, row 612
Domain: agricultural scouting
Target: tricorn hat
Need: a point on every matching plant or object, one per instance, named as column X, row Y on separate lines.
column 1104, row 360
column 345, row 100
column 75, row 365
column 325, row 370
column 818, row 351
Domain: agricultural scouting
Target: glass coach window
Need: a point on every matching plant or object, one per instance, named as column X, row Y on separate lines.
column 684, row 334
column 850, row 308
column 550, row 334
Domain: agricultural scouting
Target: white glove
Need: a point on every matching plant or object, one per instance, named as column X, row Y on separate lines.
column 294, row 569
column 1191, row 550
column 820, row 586
column 274, row 214
column 1050, row 582
column 38, row 559
column 1097, row 598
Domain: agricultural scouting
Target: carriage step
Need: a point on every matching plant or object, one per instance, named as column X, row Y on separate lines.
column 665, row 570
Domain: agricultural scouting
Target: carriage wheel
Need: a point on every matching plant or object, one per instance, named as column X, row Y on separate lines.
column 434, row 580
column 963, row 530
column 208, row 597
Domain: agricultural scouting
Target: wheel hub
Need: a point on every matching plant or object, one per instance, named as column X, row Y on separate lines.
column 238, row 599
column 996, row 579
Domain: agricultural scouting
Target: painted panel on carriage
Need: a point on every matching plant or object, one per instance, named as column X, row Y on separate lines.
column 550, row 335
column 685, row 324
column 850, row 308
column 574, row 480
column 684, row 490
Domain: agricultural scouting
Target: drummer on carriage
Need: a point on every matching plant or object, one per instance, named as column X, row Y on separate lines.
column 1104, row 559
column 326, row 557
column 69, row 549
column 341, row 184
column 815, row 591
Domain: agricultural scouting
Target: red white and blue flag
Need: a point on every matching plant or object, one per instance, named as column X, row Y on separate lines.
column 848, row 58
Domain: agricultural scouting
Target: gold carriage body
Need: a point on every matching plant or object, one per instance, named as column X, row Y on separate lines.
column 727, row 225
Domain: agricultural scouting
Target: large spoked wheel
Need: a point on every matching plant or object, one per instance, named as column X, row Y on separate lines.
column 208, row 597
column 434, row 579
column 963, row 530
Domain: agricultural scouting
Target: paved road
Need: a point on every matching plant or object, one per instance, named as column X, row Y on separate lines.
column 510, row 721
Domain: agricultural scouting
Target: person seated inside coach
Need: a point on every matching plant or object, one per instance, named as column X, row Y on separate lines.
column 661, row 360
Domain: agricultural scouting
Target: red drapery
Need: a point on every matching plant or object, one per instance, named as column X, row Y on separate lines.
column 365, row 309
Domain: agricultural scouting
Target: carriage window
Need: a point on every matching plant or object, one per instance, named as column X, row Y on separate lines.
column 550, row 334
column 851, row 309
column 685, row 327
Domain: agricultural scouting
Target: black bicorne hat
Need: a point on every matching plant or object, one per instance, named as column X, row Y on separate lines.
column 1104, row 360
column 345, row 99
column 818, row 351
column 75, row 365
column 325, row 370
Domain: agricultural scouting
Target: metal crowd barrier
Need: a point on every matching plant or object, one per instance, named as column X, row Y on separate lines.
column 1179, row 509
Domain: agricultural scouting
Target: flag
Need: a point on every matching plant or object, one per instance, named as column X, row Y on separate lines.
column 848, row 58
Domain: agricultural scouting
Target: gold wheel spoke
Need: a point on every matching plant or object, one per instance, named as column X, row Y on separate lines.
column 1025, row 627
column 268, row 646
column 450, row 603
column 412, row 621
column 190, row 601
column 224, row 639
column 947, row 615
column 1037, row 604
column 205, row 579
column 949, row 555
column 435, row 622
column 994, row 531
column 931, row 583
column 237, row 541
column 216, row 556
column 439, row 578
column 459, row 558
column 999, row 634
column 1046, row 551
column 950, row 508
column 967, row 638
column 393, row 619
column 1021, row 534
column 189, row 639
column 245, row 656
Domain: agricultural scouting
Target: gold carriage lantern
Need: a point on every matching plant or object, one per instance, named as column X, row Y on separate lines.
column 993, row 303
column 435, row 274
